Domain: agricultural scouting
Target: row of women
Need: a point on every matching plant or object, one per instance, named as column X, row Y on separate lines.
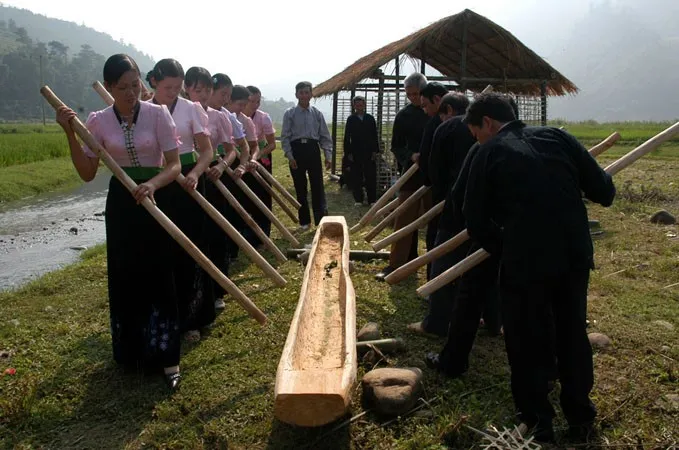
column 194, row 124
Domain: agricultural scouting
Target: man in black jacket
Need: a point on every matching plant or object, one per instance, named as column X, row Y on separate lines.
column 523, row 203
column 361, row 147
column 405, row 144
column 451, row 142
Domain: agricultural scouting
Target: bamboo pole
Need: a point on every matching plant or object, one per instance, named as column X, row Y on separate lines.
column 388, row 208
column 604, row 145
column 417, row 195
column 274, row 195
column 275, row 183
column 250, row 221
column 215, row 215
column 367, row 218
column 410, row 228
column 84, row 134
column 262, row 207
column 432, row 255
column 643, row 149
column 450, row 245
column 477, row 257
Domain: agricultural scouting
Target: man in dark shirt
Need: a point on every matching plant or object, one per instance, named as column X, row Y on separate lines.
column 405, row 144
column 431, row 99
column 451, row 143
column 361, row 147
column 523, row 203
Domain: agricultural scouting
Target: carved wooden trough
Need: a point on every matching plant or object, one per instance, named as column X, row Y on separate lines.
column 317, row 369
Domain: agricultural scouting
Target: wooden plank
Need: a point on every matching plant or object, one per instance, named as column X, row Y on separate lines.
column 317, row 369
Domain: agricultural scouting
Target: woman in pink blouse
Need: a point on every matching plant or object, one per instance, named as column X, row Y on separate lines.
column 239, row 101
column 142, row 138
column 198, row 85
column 193, row 284
column 266, row 142
column 221, row 96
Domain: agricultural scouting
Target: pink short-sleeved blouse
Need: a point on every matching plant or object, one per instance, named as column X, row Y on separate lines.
column 249, row 126
column 191, row 119
column 219, row 127
column 153, row 133
column 263, row 124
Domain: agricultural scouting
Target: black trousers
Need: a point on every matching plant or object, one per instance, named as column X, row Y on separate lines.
column 476, row 296
column 364, row 173
column 308, row 158
column 544, row 320
column 430, row 239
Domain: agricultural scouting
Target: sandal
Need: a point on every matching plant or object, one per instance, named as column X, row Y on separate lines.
column 192, row 336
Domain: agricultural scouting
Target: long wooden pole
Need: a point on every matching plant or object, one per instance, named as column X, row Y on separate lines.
column 388, row 208
column 367, row 218
column 477, row 257
column 414, row 198
column 262, row 207
column 215, row 215
column 275, row 183
column 274, row 195
column 604, row 145
column 157, row 214
column 450, row 245
column 410, row 228
column 432, row 255
column 247, row 218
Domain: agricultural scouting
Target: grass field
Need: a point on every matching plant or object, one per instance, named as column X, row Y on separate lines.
column 67, row 392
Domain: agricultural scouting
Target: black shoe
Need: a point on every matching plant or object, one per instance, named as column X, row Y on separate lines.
column 542, row 433
column 173, row 380
column 386, row 271
column 433, row 361
column 581, row 434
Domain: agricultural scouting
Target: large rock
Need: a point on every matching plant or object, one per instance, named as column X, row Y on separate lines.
column 369, row 332
column 599, row 340
column 392, row 392
column 662, row 217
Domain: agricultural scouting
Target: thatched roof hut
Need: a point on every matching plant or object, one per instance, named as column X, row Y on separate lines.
column 468, row 48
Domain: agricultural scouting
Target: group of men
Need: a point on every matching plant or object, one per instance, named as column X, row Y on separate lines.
column 519, row 193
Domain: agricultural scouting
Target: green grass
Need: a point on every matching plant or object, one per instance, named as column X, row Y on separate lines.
column 632, row 133
column 67, row 392
column 22, row 144
column 26, row 180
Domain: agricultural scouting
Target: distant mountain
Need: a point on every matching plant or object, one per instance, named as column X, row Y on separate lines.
column 623, row 57
column 72, row 35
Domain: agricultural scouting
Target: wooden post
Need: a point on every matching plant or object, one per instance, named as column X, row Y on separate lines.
column 397, row 83
column 84, row 134
column 604, row 145
column 543, row 103
column 380, row 105
column 463, row 59
column 335, row 99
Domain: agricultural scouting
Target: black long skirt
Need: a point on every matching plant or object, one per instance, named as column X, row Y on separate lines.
column 193, row 285
column 219, row 241
column 142, row 298
column 235, row 219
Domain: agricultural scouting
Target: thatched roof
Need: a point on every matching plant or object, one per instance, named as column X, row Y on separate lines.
column 493, row 53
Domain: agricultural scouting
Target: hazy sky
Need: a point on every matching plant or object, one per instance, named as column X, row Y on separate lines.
column 275, row 43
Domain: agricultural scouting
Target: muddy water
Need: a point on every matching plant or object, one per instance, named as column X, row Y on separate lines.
column 44, row 233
